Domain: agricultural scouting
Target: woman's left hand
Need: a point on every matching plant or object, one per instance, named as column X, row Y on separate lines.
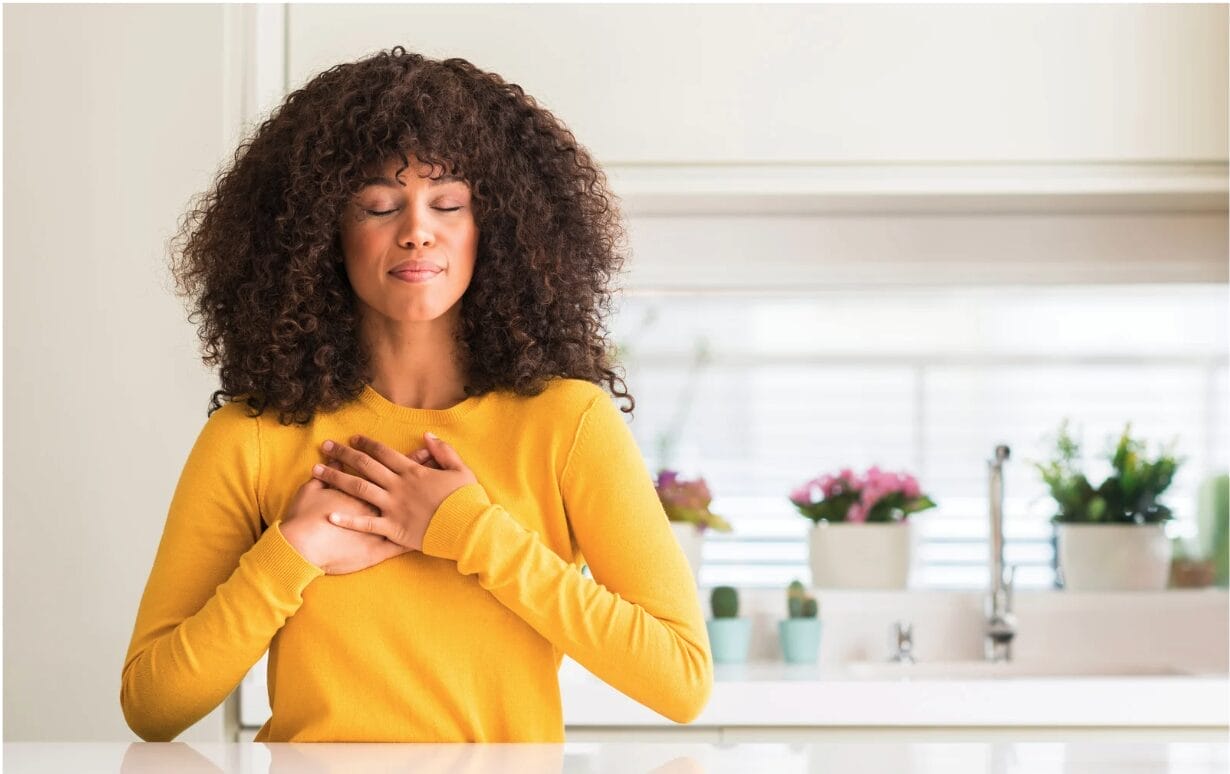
column 406, row 491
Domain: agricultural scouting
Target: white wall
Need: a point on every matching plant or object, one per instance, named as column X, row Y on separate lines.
column 113, row 117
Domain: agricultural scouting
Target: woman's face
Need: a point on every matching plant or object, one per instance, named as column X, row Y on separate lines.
column 410, row 242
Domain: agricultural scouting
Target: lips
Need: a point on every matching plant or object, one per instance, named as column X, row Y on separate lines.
column 416, row 276
column 416, row 271
column 416, row 266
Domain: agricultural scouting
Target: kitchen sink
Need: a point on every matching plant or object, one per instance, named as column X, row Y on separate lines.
column 961, row 670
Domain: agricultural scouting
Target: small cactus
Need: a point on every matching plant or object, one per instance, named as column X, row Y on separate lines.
column 799, row 604
column 725, row 602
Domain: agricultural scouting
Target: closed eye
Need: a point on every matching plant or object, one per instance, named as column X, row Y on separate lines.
column 390, row 212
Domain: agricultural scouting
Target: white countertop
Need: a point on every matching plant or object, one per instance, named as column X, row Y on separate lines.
column 824, row 695
column 622, row 758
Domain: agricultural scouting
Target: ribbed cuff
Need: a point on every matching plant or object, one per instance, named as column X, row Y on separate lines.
column 448, row 525
column 277, row 559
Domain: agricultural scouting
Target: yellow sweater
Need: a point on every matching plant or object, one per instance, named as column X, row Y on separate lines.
column 461, row 642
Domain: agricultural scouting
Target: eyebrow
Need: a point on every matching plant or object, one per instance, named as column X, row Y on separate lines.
column 385, row 181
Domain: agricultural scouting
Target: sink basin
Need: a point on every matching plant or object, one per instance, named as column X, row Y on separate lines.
column 961, row 670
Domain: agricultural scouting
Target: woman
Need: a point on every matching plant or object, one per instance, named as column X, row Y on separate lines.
column 409, row 261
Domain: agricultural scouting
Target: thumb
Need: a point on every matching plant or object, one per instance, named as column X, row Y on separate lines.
column 448, row 458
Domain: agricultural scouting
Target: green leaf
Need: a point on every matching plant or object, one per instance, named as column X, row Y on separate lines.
column 1096, row 509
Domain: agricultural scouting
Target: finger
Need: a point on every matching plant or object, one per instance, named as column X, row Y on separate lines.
column 423, row 457
column 444, row 454
column 361, row 462
column 325, row 484
column 317, row 481
column 355, row 486
column 383, row 453
column 359, row 523
column 370, row 524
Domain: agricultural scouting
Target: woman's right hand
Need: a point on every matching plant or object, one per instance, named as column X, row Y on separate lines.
column 334, row 549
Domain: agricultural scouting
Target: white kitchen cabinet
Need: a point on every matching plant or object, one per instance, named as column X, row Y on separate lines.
column 792, row 84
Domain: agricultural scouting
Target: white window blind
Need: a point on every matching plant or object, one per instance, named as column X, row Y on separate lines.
column 759, row 393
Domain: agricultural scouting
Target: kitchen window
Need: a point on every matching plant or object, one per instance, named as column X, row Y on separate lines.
column 759, row 392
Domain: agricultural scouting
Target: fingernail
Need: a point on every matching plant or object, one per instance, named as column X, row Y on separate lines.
column 336, row 519
column 432, row 436
column 328, row 445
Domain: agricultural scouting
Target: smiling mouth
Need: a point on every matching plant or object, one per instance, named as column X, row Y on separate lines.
column 413, row 276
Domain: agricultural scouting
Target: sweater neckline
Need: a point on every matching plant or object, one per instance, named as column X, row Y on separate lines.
column 390, row 410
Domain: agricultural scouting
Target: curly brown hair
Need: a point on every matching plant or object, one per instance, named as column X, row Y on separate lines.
column 260, row 253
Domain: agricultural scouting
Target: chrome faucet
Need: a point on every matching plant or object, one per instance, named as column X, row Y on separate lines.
column 902, row 643
column 1001, row 623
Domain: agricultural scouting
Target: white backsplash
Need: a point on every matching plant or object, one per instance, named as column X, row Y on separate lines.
column 1187, row 628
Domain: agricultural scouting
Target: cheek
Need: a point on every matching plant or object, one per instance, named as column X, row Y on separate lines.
column 361, row 249
column 471, row 246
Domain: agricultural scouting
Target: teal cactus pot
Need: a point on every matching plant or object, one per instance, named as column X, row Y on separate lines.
column 729, row 639
column 800, row 638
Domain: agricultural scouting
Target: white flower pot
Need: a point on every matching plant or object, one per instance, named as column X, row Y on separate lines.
column 1114, row 557
column 692, row 541
column 862, row 556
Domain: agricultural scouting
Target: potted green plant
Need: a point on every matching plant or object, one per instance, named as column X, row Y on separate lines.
column 686, row 503
column 861, row 536
column 729, row 635
column 799, row 633
column 1112, row 536
column 1213, row 516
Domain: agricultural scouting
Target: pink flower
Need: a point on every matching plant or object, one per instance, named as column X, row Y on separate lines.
column 910, row 488
column 869, row 497
column 802, row 495
column 857, row 514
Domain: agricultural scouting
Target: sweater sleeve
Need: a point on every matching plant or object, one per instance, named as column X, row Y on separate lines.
column 219, row 588
column 637, row 623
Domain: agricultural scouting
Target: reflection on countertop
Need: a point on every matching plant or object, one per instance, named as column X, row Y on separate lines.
column 622, row 758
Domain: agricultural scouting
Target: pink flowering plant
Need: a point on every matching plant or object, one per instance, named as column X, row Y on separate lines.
column 876, row 496
column 688, row 501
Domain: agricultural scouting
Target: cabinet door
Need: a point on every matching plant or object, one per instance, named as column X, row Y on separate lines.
column 812, row 83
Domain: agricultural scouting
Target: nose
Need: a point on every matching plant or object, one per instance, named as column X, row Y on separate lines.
column 416, row 229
